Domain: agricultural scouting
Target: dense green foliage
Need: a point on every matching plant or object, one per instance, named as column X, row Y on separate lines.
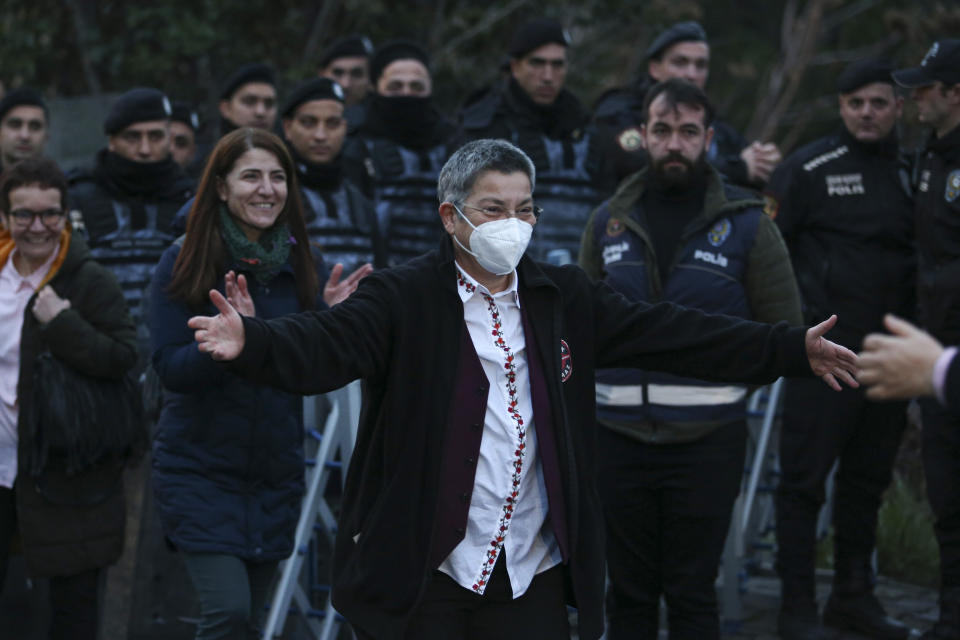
column 772, row 72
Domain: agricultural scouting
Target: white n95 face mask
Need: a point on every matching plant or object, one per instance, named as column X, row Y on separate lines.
column 498, row 245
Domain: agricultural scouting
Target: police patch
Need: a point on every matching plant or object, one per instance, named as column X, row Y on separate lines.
column 614, row 227
column 629, row 139
column 953, row 186
column 720, row 232
column 566, row 362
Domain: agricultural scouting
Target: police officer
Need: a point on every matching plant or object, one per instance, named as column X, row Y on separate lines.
column 347, row 62
column 340, row 219
column 681, row 51
column 844, row 206
column 673, row 448
column 402, row 142
column 24, row 125
column 537, row 113
column 936, row 92
column 184, row 125
column 127, row 200
column 249, row 98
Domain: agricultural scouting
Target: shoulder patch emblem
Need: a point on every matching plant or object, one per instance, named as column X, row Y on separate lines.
column 566, row 362
column 614, row 227
column 629, row 139
column 720, row 232
column 770, row 206
column 952, row 191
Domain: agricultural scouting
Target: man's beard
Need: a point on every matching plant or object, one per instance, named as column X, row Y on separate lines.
column 678, row 178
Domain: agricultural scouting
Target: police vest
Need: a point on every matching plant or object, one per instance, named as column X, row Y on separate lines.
column 565, row 190
column 342, row 224
column 127, row 236
column 708, row 273
column 405, row 194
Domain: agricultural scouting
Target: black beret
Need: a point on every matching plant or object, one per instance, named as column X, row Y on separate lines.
column 253, row 72
column 689, row 31
column 942, row 63
column 349, row 47
column 864, row 72
column 183, row 112
column 137, row 105
column 536, row 33
column 393, row 51
column 22, row 97
column 315, row 89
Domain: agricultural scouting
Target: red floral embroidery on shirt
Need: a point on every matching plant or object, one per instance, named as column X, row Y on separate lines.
column 509, row 501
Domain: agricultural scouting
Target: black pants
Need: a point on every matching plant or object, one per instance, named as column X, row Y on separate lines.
column 450, row 612
column 667, row 511
column 8, row 526
column 74, row 604
column 941, row 463
column 819, row 426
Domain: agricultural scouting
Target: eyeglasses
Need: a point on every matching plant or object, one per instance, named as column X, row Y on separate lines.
column 496, row 212
column 25, row 217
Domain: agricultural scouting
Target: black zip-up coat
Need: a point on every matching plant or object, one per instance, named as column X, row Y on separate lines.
column 845, row 209
column 401, row 332
column 70, row 523
column 938, row 237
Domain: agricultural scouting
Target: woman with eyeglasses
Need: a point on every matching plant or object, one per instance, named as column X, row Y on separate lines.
column 227, row 457
column 67, row 504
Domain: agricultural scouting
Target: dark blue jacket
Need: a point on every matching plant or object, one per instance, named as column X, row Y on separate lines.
column 227, row 456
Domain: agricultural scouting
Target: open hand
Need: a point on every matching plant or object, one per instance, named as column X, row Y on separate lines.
column 238, row 295
column 336, row 290
column 761, row 159
column 829, row 360
column 222, row 335
column 899, row 365
column 48, row 305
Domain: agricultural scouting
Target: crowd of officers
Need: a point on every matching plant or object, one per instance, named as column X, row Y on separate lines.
column 653, row 194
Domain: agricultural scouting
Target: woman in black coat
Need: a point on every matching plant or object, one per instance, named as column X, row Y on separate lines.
column 227, row 458
column 66, row 505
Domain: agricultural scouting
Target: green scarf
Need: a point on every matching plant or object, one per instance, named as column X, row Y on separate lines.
column 262, row 259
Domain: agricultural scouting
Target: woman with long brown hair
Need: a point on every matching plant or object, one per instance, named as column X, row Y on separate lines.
column 227, row 456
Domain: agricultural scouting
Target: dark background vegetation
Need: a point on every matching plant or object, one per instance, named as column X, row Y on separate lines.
column 774, row 61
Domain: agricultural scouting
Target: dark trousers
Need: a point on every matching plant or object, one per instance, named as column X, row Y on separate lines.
column 8, row 526
column 232, row 592
column 667, row 511
column 941, row 463
column 450, row 612
column 74, row 603
column 819, row 426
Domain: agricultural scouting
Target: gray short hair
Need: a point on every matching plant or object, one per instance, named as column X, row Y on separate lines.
column 462, row 169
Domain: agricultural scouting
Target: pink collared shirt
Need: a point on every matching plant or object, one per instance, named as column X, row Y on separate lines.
column 15, row 294
column 508, row 506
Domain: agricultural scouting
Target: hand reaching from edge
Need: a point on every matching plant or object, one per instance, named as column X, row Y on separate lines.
column 899, row 365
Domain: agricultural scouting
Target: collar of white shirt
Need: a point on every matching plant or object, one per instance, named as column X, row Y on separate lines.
column 468, row 292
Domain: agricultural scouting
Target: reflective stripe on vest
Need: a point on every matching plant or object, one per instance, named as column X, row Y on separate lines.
column 671, row 395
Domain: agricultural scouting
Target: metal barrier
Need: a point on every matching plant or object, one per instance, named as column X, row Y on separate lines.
column 753, row 522
column 331, row 450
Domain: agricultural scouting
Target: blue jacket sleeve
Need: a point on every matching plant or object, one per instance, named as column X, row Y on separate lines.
column 181, row 366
